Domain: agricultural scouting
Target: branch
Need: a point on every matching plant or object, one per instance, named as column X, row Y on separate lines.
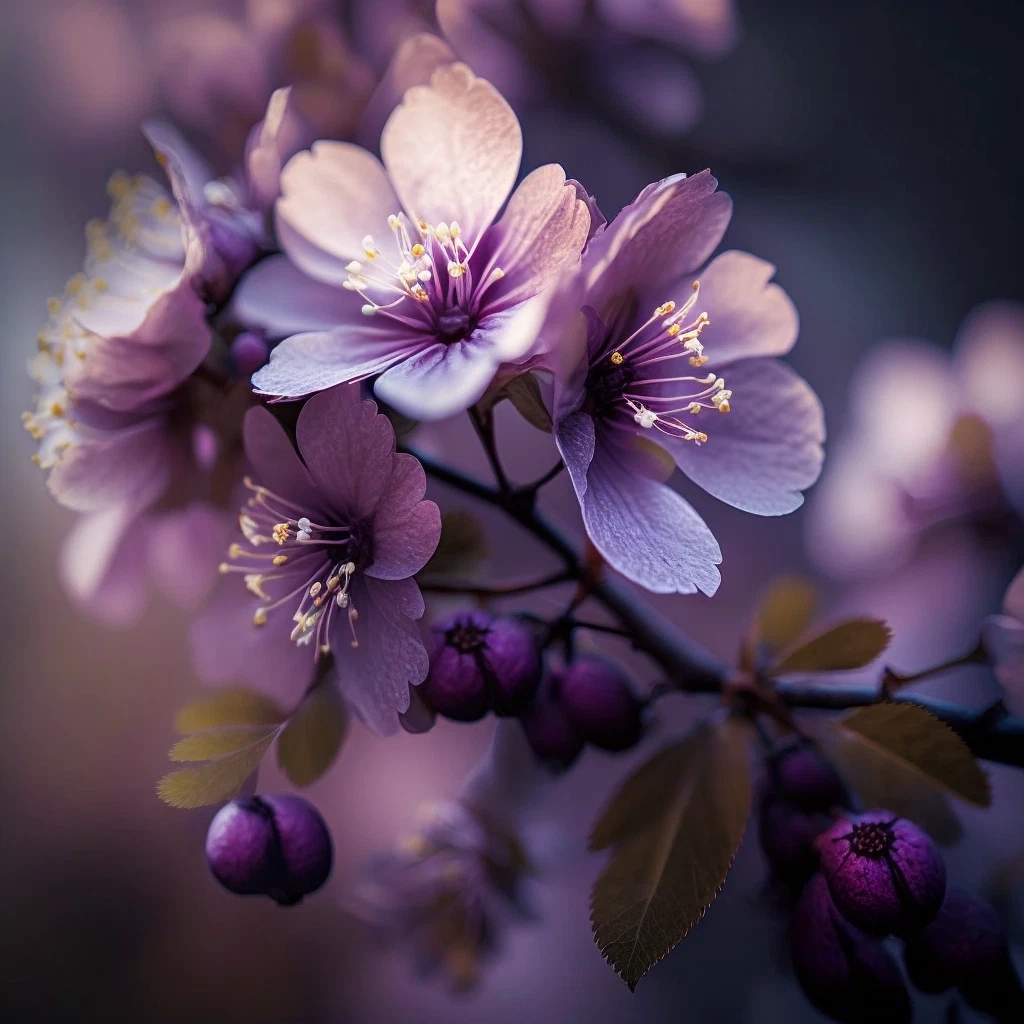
column 991, row 734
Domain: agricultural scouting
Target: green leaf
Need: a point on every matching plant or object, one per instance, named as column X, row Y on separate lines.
column 228, row 707
column 312, row 738
column 900, row 741
column 849, row 645
column 524, row 394
column 214, row 743
column 676, row 825
column 785, row 613
column 462, row 546
column 215, row 781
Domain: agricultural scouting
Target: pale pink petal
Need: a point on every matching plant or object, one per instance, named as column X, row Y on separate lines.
column 452, row 150
column 103, row 565
column 989, row 362
column 185, row 549
column 332, row 196
column 271, row 144
column 278, row 298
column 542, row 231
column 762, row 454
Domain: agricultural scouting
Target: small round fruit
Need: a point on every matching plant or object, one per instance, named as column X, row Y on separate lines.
column 479, row 664
column 849, row 976
column 884, row 873
column 241, row 847
column 306, row 852
column 550, row 733
column 801, row 775
column 249, row 352
column 598, row 698
column 787, row 837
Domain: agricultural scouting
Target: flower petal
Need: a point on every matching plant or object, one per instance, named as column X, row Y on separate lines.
column 452, row 150
column 645, row 530
column 276, row 464
column 763, row 453
column 406, row 529
column 306, row 363
column 348, row 447
column 185, row 549
column 575, row 438
column 748, row 316
column 332, row 196
column 441, row 380
column 542, row 231
column 103, row 565
column 278, row 298
column 375, row 675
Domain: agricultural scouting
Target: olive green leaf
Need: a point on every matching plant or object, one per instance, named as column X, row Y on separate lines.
column 675, row 826
column 524, row 394
column 310, row 741
column 214, row 743
column 848, row 645
column 228, row 707
column 461, row 548
column 215, row 781
column 785, row 613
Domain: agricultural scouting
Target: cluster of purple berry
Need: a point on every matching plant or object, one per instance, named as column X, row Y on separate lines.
column 866, row 877
column 480, row 663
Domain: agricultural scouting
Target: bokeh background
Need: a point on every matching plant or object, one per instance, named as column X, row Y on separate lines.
column 873, row 152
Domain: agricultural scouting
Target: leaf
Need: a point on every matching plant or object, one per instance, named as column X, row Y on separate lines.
column 524, row 393
column 312, row 738
column 785, row 613
column 214, row 743
column 215, row 781
column 676, row 825
column 461, row 548
column 228, row 707
column 849, row 645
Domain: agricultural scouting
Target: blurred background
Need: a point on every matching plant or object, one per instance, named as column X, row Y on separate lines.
column 873, row 153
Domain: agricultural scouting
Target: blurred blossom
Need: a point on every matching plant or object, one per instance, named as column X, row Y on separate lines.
column 445, row 891
column 330, row 540
column 380, row 27
column 934, row 440
column 1004, row 641
column 447, row 297
column 620, row 56
column 217, row 72
column 137, row 416
column 629, row 408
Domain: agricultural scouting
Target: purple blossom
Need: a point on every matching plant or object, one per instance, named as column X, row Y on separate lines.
column 1004, row 642
column 637, row 395
column 933, row 441
column 414, row 280
column 625, row 52
column 330, row 539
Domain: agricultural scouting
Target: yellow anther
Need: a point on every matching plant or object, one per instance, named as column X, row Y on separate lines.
column 282, row 531
column 56, row 409
column 118, row 185
column 617, row 358
column 235, row 551
column 260, row 617
column 665, row 308
column 223, row 568
column 280, row 559
column 53, row 306
column 673, row 330
column 418, row 251
column 161, row 207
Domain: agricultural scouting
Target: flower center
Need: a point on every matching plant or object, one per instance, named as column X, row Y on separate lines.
column 871, row 839
column 467, row 637
column 433, row 288
column 313, row 564
column 624, row 377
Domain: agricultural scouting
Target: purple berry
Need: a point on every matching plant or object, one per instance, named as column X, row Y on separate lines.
column 598, row 698
column 801, row 775
column 846, row 974
column 787, row 837
column 249, row 352
column 481, row 664
column 273, row 845
column 553, row 738
column 965, row 946
column 884, row 873
column 241, row 847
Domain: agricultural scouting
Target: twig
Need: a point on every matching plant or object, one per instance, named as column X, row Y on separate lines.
column 499, row 590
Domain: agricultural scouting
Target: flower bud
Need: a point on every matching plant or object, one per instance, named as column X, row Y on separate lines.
column 787, row 837
column 884, row 873
column 847, row 975
column 966, row 946
column 249, row 352
column 802, row 776
column 598, row 699
column 480, row 664
column 273, row 845
column 550, row 733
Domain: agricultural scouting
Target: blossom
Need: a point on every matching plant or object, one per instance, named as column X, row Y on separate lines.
column 439, row 302
column 445, row 891
column 622, row 54
column 933, row 440
column 330, row 539
column 136, row 422
column 1003, row 638
column 637, row 393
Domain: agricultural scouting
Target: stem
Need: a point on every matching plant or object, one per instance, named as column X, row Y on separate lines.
column 547, row 477
column 991, row 734
column 484, row 424
column 501, row 590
